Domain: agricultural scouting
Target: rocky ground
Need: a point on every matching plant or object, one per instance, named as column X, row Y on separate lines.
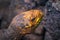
column 49, row 28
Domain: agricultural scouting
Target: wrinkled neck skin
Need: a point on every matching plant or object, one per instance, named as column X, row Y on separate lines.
column 9, row 34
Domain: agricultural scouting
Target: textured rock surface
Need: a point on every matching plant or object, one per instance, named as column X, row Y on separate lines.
column 4, row 3
column 27, row 4
column 52, row 23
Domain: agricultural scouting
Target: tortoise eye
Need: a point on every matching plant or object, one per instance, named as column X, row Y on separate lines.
column 33, row 19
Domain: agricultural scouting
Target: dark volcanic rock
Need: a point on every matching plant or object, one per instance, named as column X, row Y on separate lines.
column 27, row 4
column 5, row 13
column 6, row 16
column 56, row 5
column 52, row 23
column 4, row 3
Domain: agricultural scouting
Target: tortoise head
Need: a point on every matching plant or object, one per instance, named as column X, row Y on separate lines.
column 28, row 20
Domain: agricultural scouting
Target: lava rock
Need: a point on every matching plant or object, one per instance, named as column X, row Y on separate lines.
column 5, row 17
column 4, row 3
column 27, row 4
column 55, row 4
column 52, row 23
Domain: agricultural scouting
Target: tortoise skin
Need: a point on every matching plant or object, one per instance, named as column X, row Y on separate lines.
column 27, row 21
